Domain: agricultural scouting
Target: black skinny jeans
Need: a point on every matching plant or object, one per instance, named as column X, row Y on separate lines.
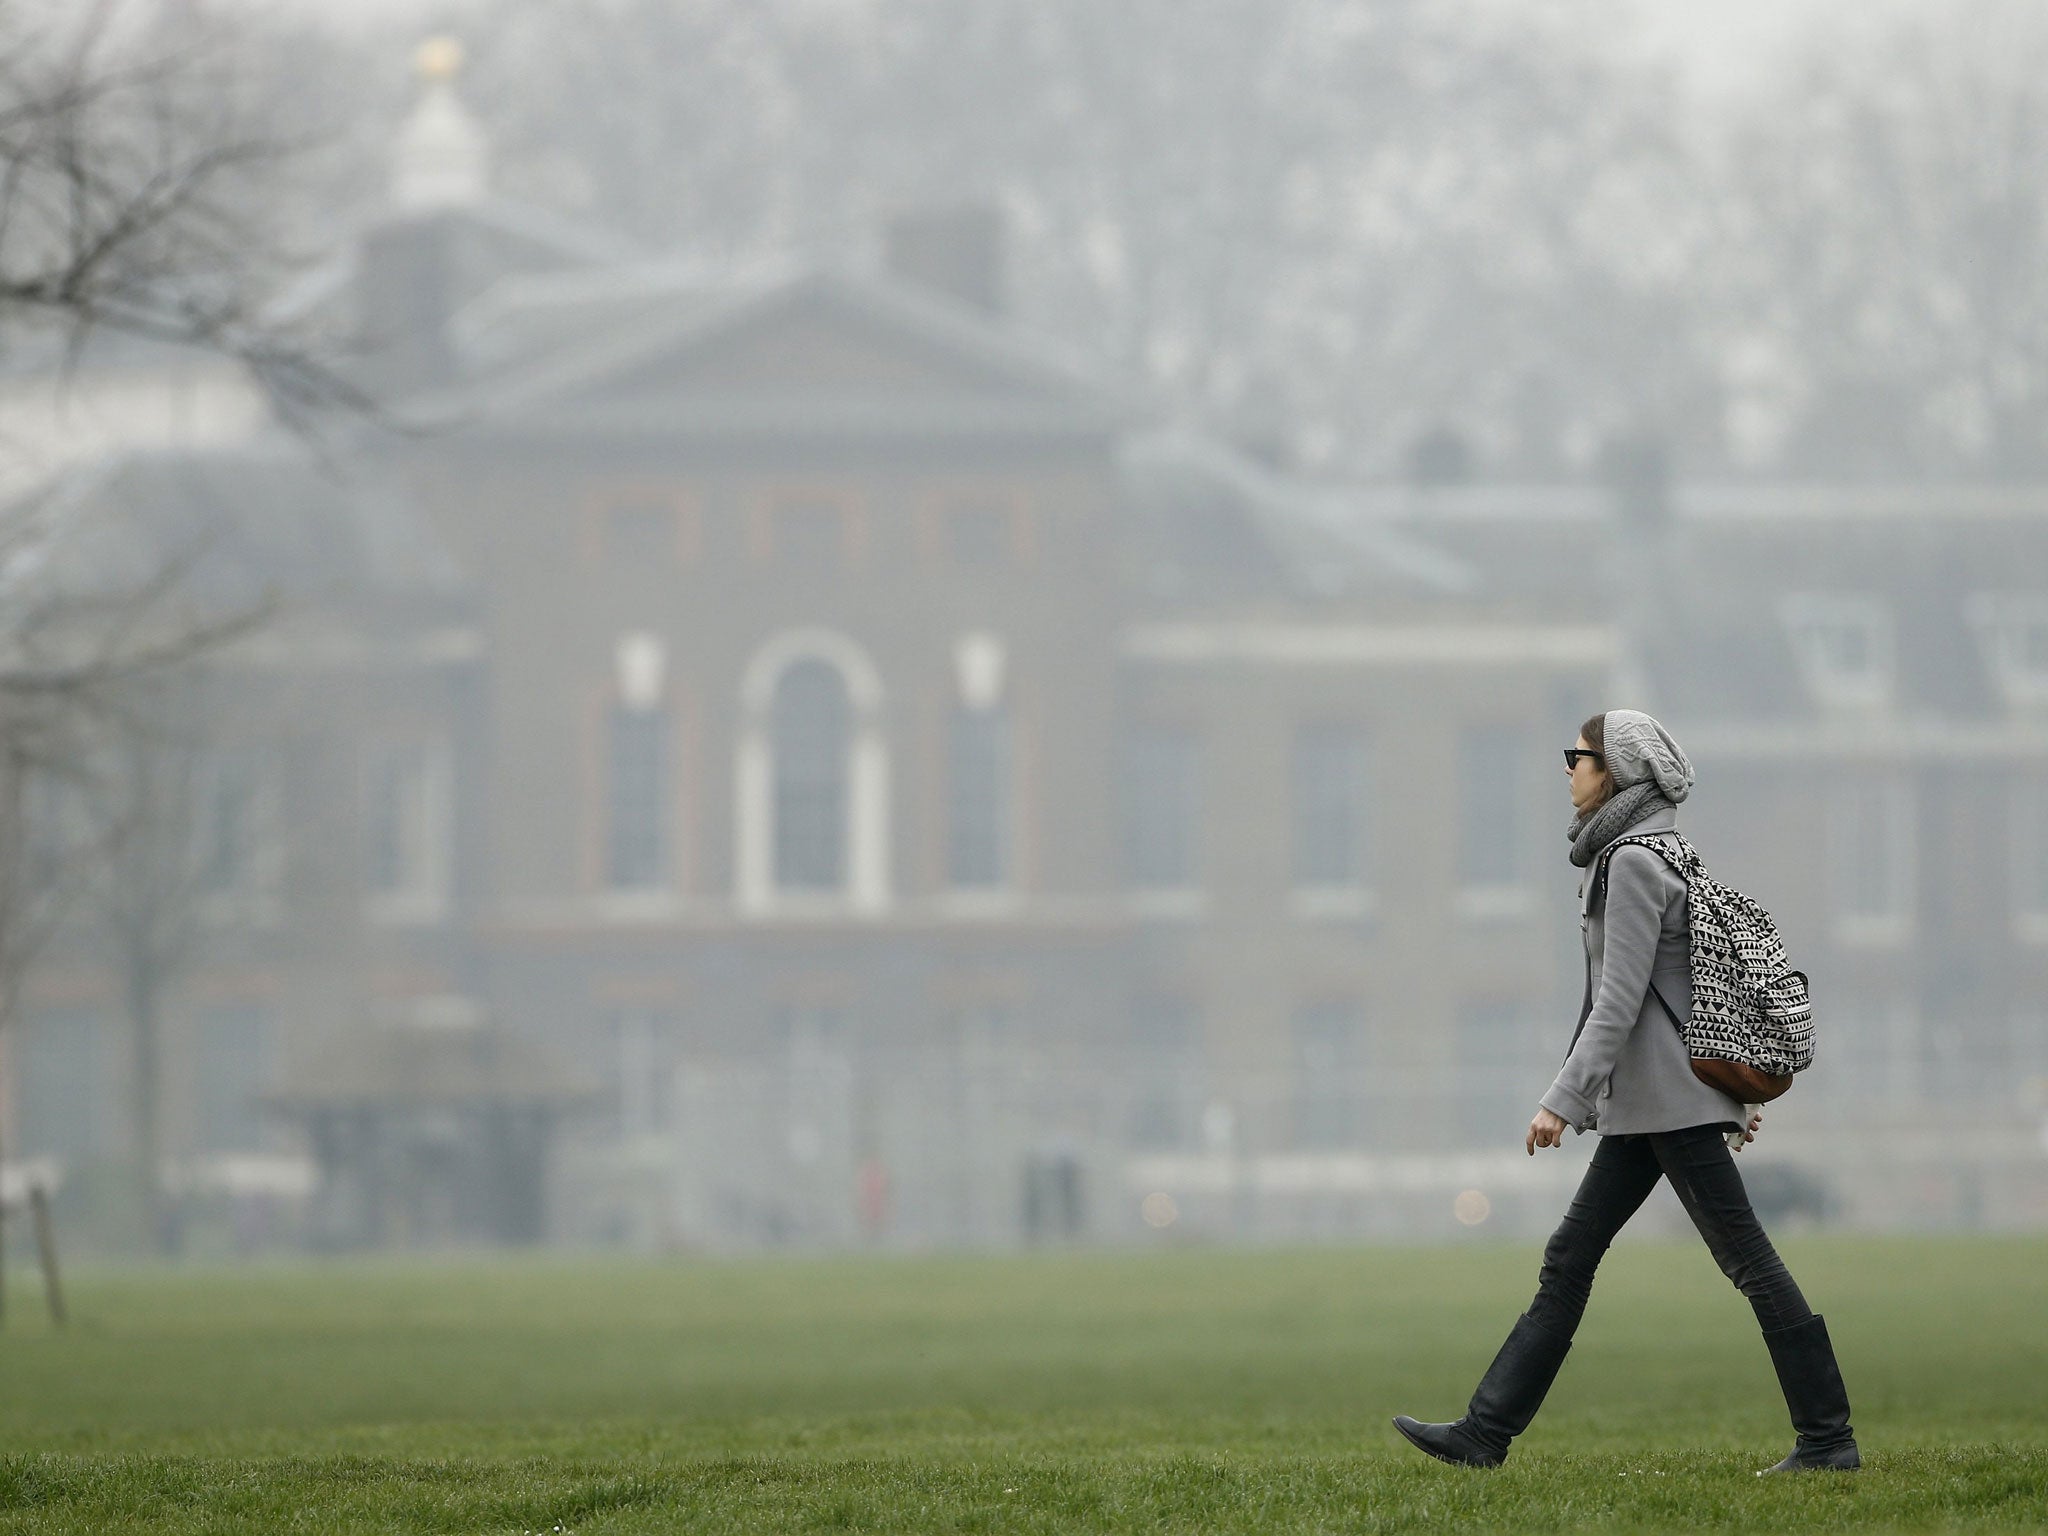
column 1619, row 1179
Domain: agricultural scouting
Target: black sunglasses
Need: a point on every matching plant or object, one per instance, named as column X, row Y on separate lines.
column 1573, row 754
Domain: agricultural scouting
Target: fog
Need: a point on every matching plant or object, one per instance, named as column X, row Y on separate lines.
column 711, row 627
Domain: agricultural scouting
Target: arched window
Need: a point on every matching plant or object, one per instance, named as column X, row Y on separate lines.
column 810, row 724
column 811, row 779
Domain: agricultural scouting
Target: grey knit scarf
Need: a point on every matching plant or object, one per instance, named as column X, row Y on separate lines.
column 1623, row 809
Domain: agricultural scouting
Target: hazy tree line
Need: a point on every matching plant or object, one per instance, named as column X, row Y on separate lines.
column 148, row 167
column 1343, row 230
column 1334, row 226
column 1335, row 229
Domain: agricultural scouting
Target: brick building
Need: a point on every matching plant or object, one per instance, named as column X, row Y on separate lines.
column 899, row 773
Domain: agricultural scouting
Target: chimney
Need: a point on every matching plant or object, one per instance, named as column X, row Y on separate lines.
column 956, row 251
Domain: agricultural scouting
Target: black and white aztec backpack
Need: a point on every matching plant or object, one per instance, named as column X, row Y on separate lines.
column 1752, row 1019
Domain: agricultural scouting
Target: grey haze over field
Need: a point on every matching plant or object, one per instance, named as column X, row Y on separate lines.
column 948, row 623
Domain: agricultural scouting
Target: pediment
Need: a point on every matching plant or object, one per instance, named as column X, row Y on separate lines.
column 813, row 339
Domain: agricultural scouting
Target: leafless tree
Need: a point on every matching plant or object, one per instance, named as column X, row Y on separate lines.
column 135, row 158
column 186, row 834
column 1883, row 277
column 1355, row 219
column 143, row 168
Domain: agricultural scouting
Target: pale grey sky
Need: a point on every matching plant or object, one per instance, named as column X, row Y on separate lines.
column 1722, row 43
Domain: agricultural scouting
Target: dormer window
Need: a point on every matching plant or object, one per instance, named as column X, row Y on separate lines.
column 1843, row 645
column 2013, row 629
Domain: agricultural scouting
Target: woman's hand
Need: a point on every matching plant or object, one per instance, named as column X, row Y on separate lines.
column 1546, row 1130
column 1756, row 1119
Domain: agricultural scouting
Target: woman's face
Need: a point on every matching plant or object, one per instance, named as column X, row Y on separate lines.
column 1588, row 781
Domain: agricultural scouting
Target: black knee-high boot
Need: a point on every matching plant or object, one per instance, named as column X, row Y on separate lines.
column 1812, row 1382
column 1503, row 1403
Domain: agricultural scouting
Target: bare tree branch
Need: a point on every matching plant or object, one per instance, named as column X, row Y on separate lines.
column 137, row 189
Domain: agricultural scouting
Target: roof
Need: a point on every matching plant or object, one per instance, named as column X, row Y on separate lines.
column 1208, row 521
column 639, row 351
column 1721, row 579
column 460, row 1059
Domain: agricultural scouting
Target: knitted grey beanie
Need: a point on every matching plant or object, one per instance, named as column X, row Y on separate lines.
column 1640, row 750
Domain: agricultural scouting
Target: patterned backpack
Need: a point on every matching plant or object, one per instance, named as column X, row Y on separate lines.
column 1752, row 1020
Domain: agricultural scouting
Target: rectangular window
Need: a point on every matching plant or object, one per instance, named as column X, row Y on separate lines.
column 225, row 823
column 1330, row 806
column 1161, row 1071
column 2012, row 630
column 2030, row 855
column 818, row 1079
column 63, row 1096
column 1870, row 857
column 984, row 1030
column 814, row 1029
column 1494, row 767
column 978, row 805
column 810, row 533
column 57, row 832
column 1161, row 806
column 637, row 844
column 1497, row 1085
column 2026, row 1049
column 978, row 532
column 640, row 1062
column 641, row 531
column 1329, row 1075
column 1843, row 645
column 1870, row 1048
column 237, row 831
column 232, row 1064
column 406, row 823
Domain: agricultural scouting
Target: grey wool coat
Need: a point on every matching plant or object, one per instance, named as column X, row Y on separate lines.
column 1629, row 1071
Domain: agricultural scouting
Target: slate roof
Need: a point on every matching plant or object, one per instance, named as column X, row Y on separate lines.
column 1732, row 560
column 1205, row 522
column 540, row 350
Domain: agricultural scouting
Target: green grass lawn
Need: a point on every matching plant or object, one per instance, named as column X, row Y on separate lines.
column 1182, row 1391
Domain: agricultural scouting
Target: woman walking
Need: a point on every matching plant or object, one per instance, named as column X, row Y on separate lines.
column 1628, row 1075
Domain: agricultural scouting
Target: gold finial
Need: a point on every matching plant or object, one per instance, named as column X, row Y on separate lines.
column 438, row 58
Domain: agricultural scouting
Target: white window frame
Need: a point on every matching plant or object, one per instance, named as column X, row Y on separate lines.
column 867, row 892
column 2001, row 621
column 1334, row 900
column 1185, row 899
column 425, row 898
column 256, row 899
column 1805, row 614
